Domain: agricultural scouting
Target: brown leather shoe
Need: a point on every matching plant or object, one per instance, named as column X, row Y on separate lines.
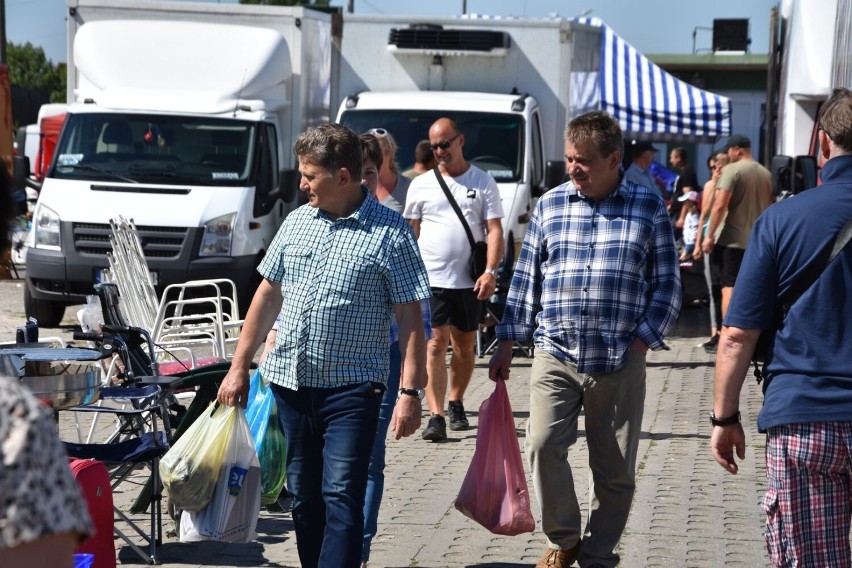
column 559, row 558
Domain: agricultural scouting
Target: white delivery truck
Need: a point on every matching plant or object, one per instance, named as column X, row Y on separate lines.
column 510, row 84
column 183, row 118
column 810, row 55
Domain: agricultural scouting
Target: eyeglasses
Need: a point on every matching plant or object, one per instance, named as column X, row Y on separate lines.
column 444, row 145
column 378, row 132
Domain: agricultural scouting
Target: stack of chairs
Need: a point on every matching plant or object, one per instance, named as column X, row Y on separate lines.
column 196, row 316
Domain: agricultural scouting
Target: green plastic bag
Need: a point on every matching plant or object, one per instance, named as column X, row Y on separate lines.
column 269, row 440
column 190, row 468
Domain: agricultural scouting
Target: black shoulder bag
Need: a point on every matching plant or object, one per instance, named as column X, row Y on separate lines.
column 478, row 250
column 799, row 287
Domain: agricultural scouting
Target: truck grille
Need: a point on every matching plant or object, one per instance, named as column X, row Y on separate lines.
column 157, row 242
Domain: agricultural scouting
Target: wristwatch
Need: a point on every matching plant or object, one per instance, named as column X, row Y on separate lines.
column 417, row 393
column 491, row 271
column 733, row 419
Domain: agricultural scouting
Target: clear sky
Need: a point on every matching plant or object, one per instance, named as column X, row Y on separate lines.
column 652, row 26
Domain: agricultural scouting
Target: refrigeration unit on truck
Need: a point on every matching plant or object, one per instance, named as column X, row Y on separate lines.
column 810, row 56
column 183, row 118
column 510, row 85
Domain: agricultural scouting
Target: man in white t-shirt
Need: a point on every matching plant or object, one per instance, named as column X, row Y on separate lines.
column 456, row 298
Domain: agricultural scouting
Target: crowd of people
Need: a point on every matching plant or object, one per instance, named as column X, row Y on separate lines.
column 369, row 287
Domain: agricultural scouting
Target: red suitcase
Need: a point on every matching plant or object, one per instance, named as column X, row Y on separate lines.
column 93, row 479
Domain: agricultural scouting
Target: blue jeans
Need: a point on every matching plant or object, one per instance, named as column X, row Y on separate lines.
column 376, row 473
column 330, row 433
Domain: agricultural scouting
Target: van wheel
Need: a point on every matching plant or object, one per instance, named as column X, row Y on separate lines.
column 47, row 313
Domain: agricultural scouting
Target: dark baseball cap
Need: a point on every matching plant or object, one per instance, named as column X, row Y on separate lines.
column 737, row 141
column 640, row 146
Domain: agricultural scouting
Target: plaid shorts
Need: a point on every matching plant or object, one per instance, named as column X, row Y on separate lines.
column 808, row 503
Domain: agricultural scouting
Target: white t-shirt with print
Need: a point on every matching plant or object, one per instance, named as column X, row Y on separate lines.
column 443, row 242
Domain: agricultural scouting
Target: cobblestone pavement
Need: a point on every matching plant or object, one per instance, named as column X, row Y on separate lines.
column 687, row 511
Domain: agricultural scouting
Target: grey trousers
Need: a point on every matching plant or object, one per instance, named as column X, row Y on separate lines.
column 614, row 404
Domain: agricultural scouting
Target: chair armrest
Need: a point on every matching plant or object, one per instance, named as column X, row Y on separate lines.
column 165, row 382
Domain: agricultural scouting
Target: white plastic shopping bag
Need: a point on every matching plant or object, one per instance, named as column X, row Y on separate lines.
column 232, row 513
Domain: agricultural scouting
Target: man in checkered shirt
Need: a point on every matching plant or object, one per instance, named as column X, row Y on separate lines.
column 335, row 271
column 597, row 284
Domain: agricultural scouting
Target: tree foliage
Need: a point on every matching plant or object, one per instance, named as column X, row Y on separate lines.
column 31, row 69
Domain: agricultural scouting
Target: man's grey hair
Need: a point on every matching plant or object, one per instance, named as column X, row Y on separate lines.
column 331, row 147
column 597, row 128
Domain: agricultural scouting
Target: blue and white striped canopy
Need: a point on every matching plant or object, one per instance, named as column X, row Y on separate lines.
column 648, row 102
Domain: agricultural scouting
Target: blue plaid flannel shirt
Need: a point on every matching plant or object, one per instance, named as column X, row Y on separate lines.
column 339, row 281
column 592, row 276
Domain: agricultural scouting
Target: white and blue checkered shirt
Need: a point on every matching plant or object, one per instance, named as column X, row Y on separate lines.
column 339, row 281
column 592, row 276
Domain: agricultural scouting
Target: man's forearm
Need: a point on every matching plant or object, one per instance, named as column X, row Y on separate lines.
column 735, row 350
column 412, row 345
column 495, row 245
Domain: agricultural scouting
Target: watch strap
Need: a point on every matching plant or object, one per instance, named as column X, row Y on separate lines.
column 416, row 393
column 733, row 419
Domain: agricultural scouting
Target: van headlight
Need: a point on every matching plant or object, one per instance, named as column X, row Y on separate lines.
column 46, row 228
column 218, row 234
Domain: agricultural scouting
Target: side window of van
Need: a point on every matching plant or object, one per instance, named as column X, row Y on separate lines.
column 266, row 191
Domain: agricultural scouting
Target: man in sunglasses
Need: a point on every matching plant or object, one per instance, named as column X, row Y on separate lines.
column 445, row 247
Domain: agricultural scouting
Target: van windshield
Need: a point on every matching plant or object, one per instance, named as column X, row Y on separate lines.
column 492, row 141
column 162, row 149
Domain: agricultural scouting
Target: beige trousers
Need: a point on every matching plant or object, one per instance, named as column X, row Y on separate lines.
column 613, row 404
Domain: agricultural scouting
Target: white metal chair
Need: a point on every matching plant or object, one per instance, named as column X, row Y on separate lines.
column 187, row 316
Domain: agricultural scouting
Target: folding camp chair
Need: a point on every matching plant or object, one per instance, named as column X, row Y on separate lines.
column 140, row 443
column 140, row 367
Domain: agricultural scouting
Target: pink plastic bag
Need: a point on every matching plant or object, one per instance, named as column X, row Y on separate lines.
column 494, row 492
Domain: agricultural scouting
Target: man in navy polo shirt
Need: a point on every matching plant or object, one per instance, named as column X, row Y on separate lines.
column 807, row 410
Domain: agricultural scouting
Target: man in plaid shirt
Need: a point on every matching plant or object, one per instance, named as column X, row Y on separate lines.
column 597, row 284
column 336, row 270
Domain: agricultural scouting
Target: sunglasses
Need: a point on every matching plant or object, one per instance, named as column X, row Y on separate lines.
column 378, row 132
column 444, row 145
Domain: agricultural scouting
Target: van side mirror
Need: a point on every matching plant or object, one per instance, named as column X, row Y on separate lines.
column 781, row 168
column 804, row 173
column 288, row 185
column 20, row 171
column 554, row 174
column 792, row 175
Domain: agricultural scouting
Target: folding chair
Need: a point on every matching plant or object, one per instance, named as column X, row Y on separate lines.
column 492, row 313
column 139, row 443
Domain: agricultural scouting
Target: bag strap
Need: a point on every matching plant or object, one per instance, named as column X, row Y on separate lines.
column 805, row 281
column 454, row 205
column 810, row 277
